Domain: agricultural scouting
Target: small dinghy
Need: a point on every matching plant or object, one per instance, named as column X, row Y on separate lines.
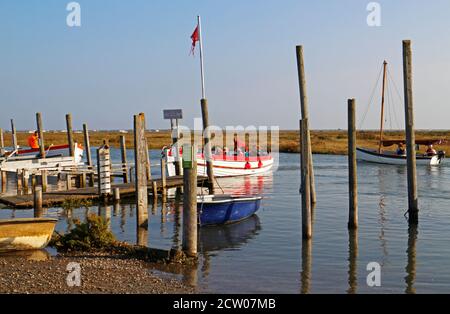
column 25, row 233
column 225, row 209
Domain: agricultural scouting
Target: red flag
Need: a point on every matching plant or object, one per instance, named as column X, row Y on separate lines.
column 195, row 38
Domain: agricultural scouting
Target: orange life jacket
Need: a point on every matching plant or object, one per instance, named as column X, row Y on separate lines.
column 33, row 141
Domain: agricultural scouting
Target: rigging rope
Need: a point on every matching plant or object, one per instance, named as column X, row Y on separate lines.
column 370, row 99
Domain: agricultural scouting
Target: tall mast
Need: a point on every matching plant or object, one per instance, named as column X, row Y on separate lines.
column 382, row 105
column 201, row 56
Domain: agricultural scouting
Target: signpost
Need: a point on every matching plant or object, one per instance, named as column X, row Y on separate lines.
column 174, row 114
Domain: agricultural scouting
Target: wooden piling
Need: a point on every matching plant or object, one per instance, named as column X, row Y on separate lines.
column 413, row 209
column 4, row 178
column 40, row 131
column 163, row 179
column 19, row 182
column 33, row 182
column 87, row 146
column 140, row 163
column 305, row 115
column 306, row 193
column 13, row 135
column 2, row 143
column 38, row 202
column 104, row 171
column 207, row 145
column 116, row 195
column 190, row 202
column 352, row 176
column 44, row 180
column 25, row 181
column 123, row 153
column 70, row 134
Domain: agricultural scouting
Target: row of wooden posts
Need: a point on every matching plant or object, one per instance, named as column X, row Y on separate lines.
column 307, row 170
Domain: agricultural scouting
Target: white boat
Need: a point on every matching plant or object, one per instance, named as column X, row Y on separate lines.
column 56, row 156
column 392, row 158
column 381, row 156
column 223, row 165
column 25, row 233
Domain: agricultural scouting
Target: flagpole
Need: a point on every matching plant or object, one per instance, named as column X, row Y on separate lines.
column 201, row 56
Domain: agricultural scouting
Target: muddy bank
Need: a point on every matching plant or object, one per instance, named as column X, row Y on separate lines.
column 37, row 272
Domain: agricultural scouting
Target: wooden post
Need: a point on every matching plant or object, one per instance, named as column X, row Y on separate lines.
column 305, row 115
column 40, row 131
column 104, row 171
column 68, row 181
column 413, row 209
column 207, row 145
column 163, row 179
column 175, row 135
column 70, row 134
column 44, row 180
column 140, row 163
column 306, row 193
column 123, row 153
column 13, row 135
column 190, row 201
column 2, row 143
column 4, row 179
column 352, row 176
column 19, row 182
column 352, row 260
column 38, row 202
column 33, row 182
column 87, row 146
column 305, row 275
column 116, row 194
column 25, row 179
column 147, row 154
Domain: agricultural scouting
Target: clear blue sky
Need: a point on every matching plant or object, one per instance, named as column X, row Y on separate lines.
column 132, row 56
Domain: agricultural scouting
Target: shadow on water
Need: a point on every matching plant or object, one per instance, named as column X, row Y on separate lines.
column 410, row 277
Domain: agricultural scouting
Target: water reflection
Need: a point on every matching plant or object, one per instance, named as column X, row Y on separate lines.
column 32, row 255
column 305, row 275
column 411, row 253
column 232, row 236
column 352, row 261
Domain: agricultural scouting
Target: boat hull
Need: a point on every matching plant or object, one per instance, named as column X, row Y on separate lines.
column 218, row 210
column 373, row 156
column 56, row 157
column 25, row 234
column 225, row 166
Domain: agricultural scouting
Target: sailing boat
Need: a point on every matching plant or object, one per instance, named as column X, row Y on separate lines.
column 398, row 157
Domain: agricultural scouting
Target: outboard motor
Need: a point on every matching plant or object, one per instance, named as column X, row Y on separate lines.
column 441, row 155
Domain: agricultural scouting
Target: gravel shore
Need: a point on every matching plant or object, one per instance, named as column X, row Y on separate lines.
column 37, row 272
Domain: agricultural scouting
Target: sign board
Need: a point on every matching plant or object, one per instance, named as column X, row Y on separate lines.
column 188, row 153
column 173, row 114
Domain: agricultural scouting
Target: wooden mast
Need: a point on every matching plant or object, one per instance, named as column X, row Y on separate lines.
column 382, row 106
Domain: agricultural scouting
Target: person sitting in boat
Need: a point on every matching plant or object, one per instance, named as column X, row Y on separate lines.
column 401, row 150
column 431, row 151
column 33, row 140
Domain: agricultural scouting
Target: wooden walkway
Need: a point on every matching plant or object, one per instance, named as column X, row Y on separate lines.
column 53, row 198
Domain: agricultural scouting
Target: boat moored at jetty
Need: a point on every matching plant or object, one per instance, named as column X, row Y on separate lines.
column 29, row 158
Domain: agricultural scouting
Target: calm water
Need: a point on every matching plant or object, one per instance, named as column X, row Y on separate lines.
column 265, row 253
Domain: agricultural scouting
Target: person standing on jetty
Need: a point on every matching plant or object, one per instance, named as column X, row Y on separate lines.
column 33, row 140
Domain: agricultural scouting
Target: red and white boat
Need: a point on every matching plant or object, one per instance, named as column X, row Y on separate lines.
column 56, row 156
column 223, row 165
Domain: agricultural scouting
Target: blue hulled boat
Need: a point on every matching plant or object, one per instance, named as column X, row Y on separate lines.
column 223, row 209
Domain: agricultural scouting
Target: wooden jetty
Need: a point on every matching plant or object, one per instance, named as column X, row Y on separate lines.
column 53, row 198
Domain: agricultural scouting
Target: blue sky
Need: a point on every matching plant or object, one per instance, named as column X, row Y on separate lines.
column 133, row 56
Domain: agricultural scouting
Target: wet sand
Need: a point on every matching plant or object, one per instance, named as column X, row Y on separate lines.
column 37, row 272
